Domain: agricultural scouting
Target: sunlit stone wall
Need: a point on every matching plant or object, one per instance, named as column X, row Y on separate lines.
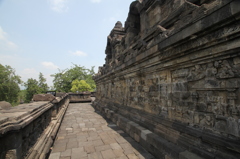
column 174, row 68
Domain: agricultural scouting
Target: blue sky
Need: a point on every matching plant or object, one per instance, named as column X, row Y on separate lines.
column 47, row 35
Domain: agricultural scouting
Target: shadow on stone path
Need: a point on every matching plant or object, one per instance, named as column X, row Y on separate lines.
column 85, row 134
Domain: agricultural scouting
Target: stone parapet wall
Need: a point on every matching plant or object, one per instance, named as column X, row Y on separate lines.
column 28, row 130
column 174, row 69
column 80, row 97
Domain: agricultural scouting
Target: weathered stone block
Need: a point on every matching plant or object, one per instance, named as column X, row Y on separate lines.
column 188, row 155
column 5, row 105
column 144, row 134
column 43, row 97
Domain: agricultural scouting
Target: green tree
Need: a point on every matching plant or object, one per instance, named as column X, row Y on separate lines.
column 80, row 86
column 62, row 80
column 35, row 87
column 89, row 79
column 22, row 96
column 9, row 84
column 42, row 83
column 32, row 87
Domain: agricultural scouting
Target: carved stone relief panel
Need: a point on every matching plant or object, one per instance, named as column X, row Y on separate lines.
column 152, row 94
column 184, row 68
column 204, row 89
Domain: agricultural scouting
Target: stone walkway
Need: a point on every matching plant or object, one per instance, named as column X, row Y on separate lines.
column 84, row 134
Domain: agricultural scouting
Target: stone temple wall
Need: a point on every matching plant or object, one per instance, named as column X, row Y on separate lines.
column 174, row 70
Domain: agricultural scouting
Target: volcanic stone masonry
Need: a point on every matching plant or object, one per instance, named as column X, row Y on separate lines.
column 172, row 75
column 28, row 130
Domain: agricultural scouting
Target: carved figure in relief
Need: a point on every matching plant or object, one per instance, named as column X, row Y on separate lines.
column 211, row 71
column 178, row 111
column 162, row 111
column 188, row 116
column 206, row 121
column 225, row 70
column 196, row 73
column 233, row 110
column 222, row 109
column 163, row 78
column 216, row 108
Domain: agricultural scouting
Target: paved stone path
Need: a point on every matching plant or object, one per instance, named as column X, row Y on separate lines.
column 84, row 134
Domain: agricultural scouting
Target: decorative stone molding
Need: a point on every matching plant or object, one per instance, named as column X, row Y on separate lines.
column 178, row 77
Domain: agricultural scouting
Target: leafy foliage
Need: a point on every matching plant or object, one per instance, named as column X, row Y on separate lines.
column 62, row 80
column 22, row 96
column 80, row 86
column 31, row 88
column 35, row 87
column 9, row 84
column 42, row 83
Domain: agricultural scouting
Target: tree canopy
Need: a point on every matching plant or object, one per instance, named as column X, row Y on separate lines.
column 31, row 88
column 77, row 78
column 35, row 87
column 80, row 86
column 42, row 83
column 63, row 80
column 9, row 84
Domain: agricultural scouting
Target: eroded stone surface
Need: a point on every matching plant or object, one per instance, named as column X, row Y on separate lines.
column 174, row 69
column 27, row 130
column 43, row 97
column 5, row 105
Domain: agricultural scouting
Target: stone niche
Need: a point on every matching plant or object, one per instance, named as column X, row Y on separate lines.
column 174, row 70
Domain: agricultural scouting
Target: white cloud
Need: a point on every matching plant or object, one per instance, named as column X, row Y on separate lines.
column 78, row 53
column 11, row 45
column 4, row 42
column 2, row 34
column 14, row 60
column 49, row 65
column 29, row 73
column 59, row 5
column 95, row 1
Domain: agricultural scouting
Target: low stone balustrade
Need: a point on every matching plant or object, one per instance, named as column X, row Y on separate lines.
column 80, row 97
column 28, row 130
